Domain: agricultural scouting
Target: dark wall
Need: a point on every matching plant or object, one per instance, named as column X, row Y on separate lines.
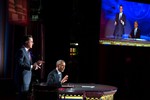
column 89, row 41
column 72, row 21
column 126, row 68
column 56, row 19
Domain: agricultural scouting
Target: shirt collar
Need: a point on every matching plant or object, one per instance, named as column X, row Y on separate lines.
column 26, row 49
column 58, row 71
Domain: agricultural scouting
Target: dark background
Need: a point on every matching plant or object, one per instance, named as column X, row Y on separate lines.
column 78, row 21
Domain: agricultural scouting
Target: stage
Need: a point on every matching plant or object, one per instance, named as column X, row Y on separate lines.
column 125, row 42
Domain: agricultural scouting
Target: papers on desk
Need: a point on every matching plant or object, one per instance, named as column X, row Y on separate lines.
column 88, row 86
column 140, row 39
column 67, row 86
column 134, row 39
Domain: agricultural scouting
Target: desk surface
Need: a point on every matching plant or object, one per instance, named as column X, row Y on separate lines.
column 81, row 88
column 76, row 90
column 126, row 42
column 86, row 87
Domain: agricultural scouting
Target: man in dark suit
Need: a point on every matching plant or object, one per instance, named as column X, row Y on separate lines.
column 120, row 21
column 54, row 78
column 24, row 66
column 135, row 32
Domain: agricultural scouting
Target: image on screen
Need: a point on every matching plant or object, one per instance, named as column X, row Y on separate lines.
column 133, row 11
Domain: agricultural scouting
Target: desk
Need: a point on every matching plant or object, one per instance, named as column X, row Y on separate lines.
column 125, row 42
column 86, row 91
column 76, row 91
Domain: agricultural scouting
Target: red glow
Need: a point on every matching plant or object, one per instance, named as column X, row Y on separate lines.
column 18, row 12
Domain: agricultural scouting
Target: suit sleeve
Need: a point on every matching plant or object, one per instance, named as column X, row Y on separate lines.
column 116, row 18
column 51, row 81
column 131, row 33
column 139, row 33
column 124, row 19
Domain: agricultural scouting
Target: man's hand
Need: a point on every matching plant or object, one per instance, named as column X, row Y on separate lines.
column 37, row 65
column 122, row 22
column 64, row 79
column 40, row 62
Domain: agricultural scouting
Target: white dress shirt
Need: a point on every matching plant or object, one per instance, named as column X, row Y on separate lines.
column 60, row 74
column 135, row 30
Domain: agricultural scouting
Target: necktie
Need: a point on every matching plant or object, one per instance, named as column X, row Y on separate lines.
column 29, row 55
column 135, row 31
column 60, row 76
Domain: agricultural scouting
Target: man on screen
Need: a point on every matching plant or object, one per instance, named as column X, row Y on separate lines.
column 120, row 21
column 135, row 32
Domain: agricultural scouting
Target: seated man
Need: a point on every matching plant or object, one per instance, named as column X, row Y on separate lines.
column 54, row 78
column 135, row 32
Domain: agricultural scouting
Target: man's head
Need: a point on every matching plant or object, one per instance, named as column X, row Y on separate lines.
column 121, row 8
column 135, row 24
column 28, row 41
column 60, row 64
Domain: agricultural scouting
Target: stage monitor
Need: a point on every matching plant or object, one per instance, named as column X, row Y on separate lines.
column 133, row 11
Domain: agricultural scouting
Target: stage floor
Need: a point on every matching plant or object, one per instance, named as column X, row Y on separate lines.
column 125, row 42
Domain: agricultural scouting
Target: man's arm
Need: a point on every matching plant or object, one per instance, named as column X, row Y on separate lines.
column 116, row 19
column 52, row 81
column 123, row 20
column 20, row 60
column 131, row 33
column 138, row 33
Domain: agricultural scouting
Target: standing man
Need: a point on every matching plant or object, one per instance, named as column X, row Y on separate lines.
column 120, row 21
column 54, row 78
column 135, row 32
column 24, row 67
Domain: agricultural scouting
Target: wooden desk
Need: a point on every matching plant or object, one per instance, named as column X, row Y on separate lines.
column 78, row 91
column 86, row 91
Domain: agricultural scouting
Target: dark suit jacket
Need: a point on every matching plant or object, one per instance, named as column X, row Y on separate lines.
column 123, row 18
column 137, row 33
column 23, row 71
column 53, row 79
